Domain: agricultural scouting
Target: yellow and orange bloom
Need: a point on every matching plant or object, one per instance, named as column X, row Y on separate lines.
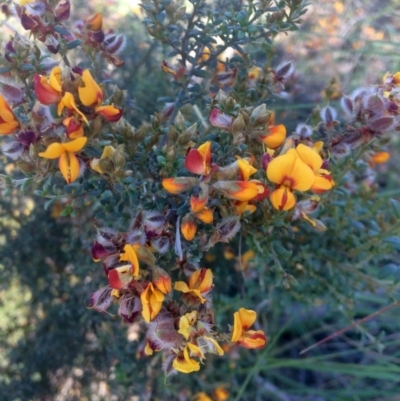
column 200, row 283
column 290, row 173
column 95, row 22
column 205, row 215
column 129, row 255
column 184, row 363
column 243, row 191
column 198, row 161
column 162, row 281
column 275, row 136
column 179, row 184
column 243, row 320
column 68, row 102
column 74, row 128
column 245, row 169
column 65, row 152
column 198, row 203
column 111, row 113
column 90, row 94
column 152, row 299
column 186, row 323
column 379, row 157
column 188, row 227
column 221, row 393
column 323, row 180
column 242, row 207
column 48, row 91
column 8, row 122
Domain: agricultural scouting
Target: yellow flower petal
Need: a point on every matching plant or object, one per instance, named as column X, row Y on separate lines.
column 90, row 94
column 282, row 198
column 55, row 79
column 237, row 328
column 181, row 286
column 75, row 145
column 309, row 157
column 69, row 166
column 68, row 101
column 247, row 317
column 303, row 176
column 280, row 168
column 129, row 255
column 185, row 364
column 246, row 169
column 53, row 151
column 275, row 136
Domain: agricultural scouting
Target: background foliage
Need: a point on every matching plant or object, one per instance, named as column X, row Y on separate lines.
column 53, row 348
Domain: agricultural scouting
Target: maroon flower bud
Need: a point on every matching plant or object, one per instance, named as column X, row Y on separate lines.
column 62, row 11
column 77, row 70
column 114, row 43
column 97, row 36
column 28, row 23
column 129, row 307
column 27, row 138
column 52, row 44
column 265, row 160
column 101, row 299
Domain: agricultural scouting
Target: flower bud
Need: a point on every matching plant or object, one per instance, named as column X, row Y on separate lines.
column 162, row 280
column 260, row 115
column 188, row 227
column 179, row 122
column 118, row 157
column 238, row 124
column 62, row 11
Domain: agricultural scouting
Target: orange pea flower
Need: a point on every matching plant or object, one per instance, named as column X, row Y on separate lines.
column 179, row 184
column 129, row 255
column 152, row 299
column 8, row 122
column 65, row 152
column 184, row 363
column 291, row 173
column 109, row 112
column 323, row 180
column 90, row 94
column 275, row 136
column 188, row 227
column 74, row 128
column 245, row 169
column 243, row 320
column 95, row 22
column 68, row 102
column 198, row 161
column 238, row 190
column 379, row 157
column 48, row 91
column 205, row 215
column 200, row 283
column 162, row 281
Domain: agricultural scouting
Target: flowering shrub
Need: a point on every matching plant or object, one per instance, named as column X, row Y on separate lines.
column 213, row 166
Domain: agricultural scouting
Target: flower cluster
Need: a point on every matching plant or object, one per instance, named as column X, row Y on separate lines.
column 180, row 322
